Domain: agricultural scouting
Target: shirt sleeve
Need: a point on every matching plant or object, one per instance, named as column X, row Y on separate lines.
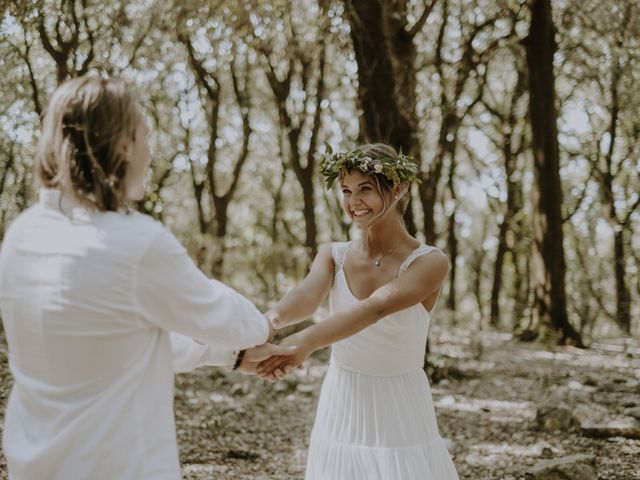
column 189, row 354
column 175, row 295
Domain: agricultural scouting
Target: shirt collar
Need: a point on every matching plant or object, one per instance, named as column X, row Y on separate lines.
column 54, row 199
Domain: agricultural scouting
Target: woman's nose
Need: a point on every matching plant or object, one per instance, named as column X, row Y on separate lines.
column 354, row 200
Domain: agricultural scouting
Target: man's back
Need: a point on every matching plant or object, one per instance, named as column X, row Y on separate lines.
column 93, row 378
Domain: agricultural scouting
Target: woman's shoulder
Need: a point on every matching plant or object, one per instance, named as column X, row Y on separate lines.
column 334, row 251
column 431, row 249
column 329, row 249
column 326, row 252
column 426, row 258
column 419, row 247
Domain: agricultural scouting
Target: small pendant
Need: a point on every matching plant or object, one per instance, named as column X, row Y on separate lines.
column 377, row 263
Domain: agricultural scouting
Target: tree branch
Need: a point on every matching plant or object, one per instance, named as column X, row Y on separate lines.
column 422, row 20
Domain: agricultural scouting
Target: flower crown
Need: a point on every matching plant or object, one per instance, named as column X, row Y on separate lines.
column 401, row 171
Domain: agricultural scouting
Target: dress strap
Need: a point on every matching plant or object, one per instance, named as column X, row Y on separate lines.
column 421, row 250
column 338, row 251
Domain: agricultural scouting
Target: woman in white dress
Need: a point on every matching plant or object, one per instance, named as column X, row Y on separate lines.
column 375, row 418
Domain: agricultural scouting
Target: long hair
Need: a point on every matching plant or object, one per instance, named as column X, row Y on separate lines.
column 79, row 150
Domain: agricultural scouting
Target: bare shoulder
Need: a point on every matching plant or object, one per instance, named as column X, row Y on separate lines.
column 324, row 257
column 433, row 264
column 325, row 251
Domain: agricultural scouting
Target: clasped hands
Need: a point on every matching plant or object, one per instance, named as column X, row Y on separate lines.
column 271, row 361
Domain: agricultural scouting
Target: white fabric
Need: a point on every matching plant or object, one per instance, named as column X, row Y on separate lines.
column 189, row 354
column 375, row 417
column 393, row 345
column 88, row 301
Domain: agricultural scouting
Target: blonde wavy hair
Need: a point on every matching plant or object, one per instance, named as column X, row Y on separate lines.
column 79, row 149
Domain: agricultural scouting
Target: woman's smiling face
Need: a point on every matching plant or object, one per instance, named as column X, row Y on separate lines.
column 361, row 199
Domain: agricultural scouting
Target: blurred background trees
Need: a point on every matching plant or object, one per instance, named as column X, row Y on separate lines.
column 522, row 114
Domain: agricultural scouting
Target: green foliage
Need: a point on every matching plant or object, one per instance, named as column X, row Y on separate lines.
column 400, row 171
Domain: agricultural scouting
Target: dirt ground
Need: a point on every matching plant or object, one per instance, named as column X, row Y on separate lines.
column 486, row 393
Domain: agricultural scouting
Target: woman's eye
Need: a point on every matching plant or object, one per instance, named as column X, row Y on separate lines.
column 345, row 192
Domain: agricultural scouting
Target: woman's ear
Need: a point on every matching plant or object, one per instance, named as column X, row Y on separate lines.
column 398, row 192
column 124, row 148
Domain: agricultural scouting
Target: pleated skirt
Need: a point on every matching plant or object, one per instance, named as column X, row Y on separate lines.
column 372, row 427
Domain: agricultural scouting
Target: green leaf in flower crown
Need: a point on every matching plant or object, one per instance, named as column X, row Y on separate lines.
column 401, row 170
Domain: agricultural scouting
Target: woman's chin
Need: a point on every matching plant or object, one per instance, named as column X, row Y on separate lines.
column 362, row 224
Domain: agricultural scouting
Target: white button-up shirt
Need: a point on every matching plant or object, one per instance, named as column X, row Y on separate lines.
column 88, row 301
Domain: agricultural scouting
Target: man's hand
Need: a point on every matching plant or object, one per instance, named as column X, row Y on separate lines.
column 278, row 366
column 253, row 356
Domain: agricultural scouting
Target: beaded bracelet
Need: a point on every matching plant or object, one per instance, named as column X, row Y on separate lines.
column 238, row 360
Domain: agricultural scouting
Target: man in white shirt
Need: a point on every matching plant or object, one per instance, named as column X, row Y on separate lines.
column 88, row 308
column 100, row 306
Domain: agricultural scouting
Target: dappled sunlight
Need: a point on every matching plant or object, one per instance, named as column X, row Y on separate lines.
column 476, row 365
column 491, row 453
column 203, row 469
column 452, row 351
column 505, row 411
column 614, row 345
column 511, row 145
column 220, row 398
column 578, row 358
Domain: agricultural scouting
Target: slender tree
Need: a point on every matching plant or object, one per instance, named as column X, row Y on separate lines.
column 511, row 147
column 548, row 254
column 302, row 158
column 210, row 83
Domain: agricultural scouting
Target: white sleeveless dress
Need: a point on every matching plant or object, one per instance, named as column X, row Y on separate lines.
column 375, row 417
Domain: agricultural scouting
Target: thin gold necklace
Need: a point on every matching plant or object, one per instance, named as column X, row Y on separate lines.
column 377, row 262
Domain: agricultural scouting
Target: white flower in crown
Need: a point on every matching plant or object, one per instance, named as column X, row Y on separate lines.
column 378, row 168
column 366, row 161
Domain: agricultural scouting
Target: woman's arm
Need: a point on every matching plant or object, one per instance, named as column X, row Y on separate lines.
column 301, row 302
column 422, row 279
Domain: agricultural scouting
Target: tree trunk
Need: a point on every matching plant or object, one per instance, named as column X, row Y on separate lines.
column 220, row 234
column 385, row 53
column 452, row 240
column 548, row 254
column 496, row 287
column 607, row 177
column 514, row 193
column 311, row 231
column 293, row 122
column 522, row 294
column 377, row 38
column 623, row 300
column 211, row 86
column 452, row 250
column 6, row 168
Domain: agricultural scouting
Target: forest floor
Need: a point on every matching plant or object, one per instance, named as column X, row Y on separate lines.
column 486, row 393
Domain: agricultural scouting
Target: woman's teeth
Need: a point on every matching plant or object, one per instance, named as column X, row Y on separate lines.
column 360, row 213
